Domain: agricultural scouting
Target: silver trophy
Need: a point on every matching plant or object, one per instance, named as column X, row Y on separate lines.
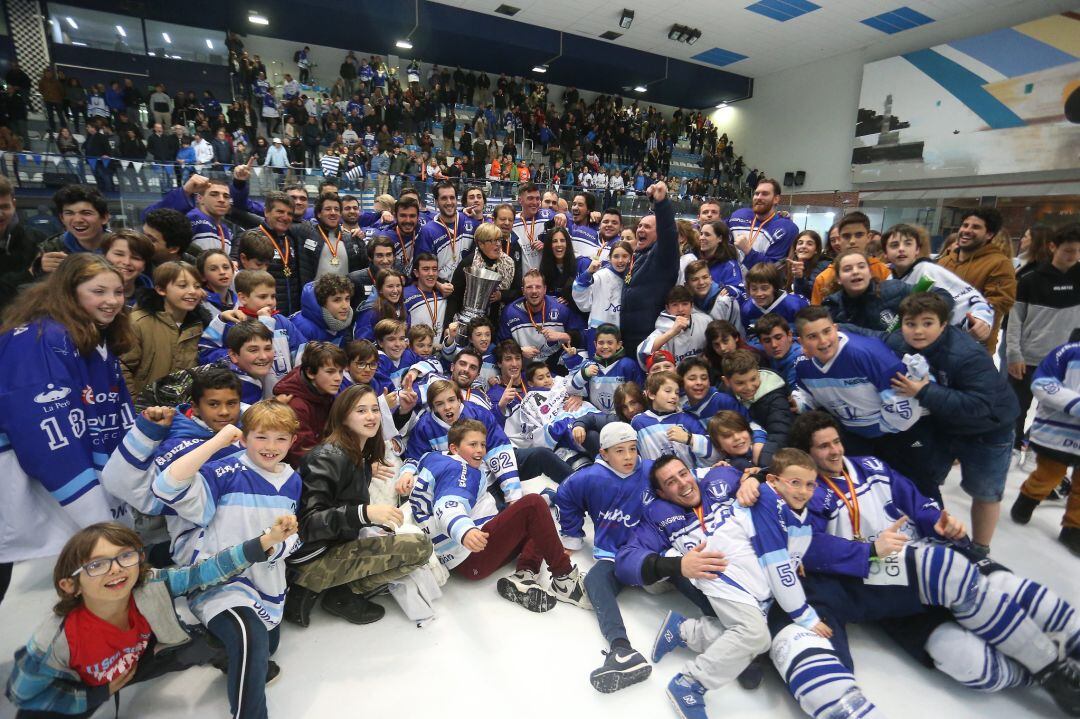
column 479, row 284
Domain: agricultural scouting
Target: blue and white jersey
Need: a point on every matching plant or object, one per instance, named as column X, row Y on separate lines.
column 713, row 402
column 525, row 231
column 489, row 368
column 523, row 325
column 425, row 308
column 688, row 343
column 653, row 441
column 600, row 295
column 430, row 433
column 447, row 241
column 287, row 342
column 586, row 242
column 448, row 499
column 771, row 239
column 208, row 233
column 539, row 419
column 235, row 500
column 855, row 387
column 786, row 305
column 1056, row 387
column 62, row 413
column 720, row 305
column 390, row 372
column 601, row 388
column 967, row 300
column 612, row 500
column 430, row 370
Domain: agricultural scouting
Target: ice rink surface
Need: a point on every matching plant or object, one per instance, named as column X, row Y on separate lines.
column 484, row 656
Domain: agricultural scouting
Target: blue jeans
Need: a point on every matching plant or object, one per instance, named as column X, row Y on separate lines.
column 984, row 462
column 603, row 588
column 534, row 461
column 249, row 646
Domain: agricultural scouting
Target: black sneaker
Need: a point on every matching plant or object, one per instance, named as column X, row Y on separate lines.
column 299, row 602
column 622, row 667
column 752, row 676
column 1062, row 680
column 341, row 602
column 1062, row 490
column 1022, row 509
column 272, row 671
column 522, row 588
column 1070, row 537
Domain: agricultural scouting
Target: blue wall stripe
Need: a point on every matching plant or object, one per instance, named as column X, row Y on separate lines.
column 770, row 12
column 966, row 87
column 879, row 24
column 913, row 15
column 1012, row 53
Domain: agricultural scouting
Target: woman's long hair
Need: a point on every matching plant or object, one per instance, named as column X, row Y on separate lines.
column 339, row 434
column 387, row 310
column 56, row 299
column 725, row 250
column 552, row 269
column 809, row 266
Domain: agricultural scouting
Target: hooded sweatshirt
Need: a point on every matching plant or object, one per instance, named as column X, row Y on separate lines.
column 312, row 409
column 312, row 320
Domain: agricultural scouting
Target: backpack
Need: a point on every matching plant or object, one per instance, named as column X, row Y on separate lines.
column 296, row 56
column 173, row 389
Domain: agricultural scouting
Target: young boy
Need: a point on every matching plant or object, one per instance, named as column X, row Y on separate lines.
column 702, row 399
column 765, row 396
column 424, row 300
column 254, row 250
column 766, row 289
column 717, row 302
column 478, row 334
column 1055, row 437
column 234, row 499
column 311, row 388
column 326, row 313
column 422, row 342
column 452, row 504
column 256, row 292
column 663, row 429
column 395, row 357
column 972, row 408
column 734, row 440
column 611, row 492
column 540, row 420
column 781, row 349
column 250, row 346
column 608, row 368
column 85, row 216
column 509, row 388
column 680, row 328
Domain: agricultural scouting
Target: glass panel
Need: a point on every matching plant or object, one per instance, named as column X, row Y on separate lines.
column 181, row 42
column 89, row 28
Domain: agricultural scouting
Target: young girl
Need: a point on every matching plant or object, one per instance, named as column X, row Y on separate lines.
column 598, row 290
column 702, row 399
column 805, row 262
column 115, row 623
column 130, row 252
column 389, row 286
column 733, row 438
column 64, row 406
column 167, row 327
column 350, row 547
column 664, row 429
column 216, row 270
column 714, row 246
column 907, row 249
column 628, row 401
column 765, row 287
column 721, row 339
column 861, row 300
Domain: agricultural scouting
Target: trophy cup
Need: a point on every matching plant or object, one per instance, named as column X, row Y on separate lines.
column 479, row 284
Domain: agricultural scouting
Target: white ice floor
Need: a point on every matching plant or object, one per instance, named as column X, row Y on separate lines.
column 484, row 656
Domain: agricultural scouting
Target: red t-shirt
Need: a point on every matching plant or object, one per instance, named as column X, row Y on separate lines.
column 100, row 651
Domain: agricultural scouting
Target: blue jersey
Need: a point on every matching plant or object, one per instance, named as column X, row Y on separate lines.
column 785, row 305
column 771, row 239
column 785, row 366
column 602, row 386
column 62, row 413
column 523, row 324
column 586, row 242
column 311, row 323
column 369, row 316
column 447, row 241
column 713, row 402
column 450, row 497
column 855, row 387
column 389, row 372
column 208, row 233
column 612, row 500
column 425, row 308
column 653, row 441
column 233, row 500
column 286, row 342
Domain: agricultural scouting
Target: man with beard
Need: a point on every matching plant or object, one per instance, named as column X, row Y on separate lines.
column 760, row 232
column 449, row 236
column 403, row 231
column 328, row 248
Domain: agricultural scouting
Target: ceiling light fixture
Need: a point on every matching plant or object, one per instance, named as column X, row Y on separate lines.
column 166, row 38
column 540, row 69
column 406, row 44
column 209, row 44
column 403, row 44
column 721, row 106
column 682, row 33
column 693, row 37
column 626, row 19
column 640, row 88
column 256, row 19
column 543, row 67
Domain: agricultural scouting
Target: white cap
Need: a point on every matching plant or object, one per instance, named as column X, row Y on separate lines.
column 615, row 433
column 277, row 140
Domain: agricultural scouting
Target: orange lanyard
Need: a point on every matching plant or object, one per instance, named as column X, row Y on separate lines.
column 700, row 512
column 332, row 246
column 852, row 504
column 755, row 230
column 468, row 394
column 284, row 253
column 630, row 269
column 451, row 235
column 433, row 313
column 529, row 230
column 543, row 311
column 405, row 259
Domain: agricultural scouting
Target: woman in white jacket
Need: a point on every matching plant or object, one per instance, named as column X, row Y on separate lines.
column 598, row 290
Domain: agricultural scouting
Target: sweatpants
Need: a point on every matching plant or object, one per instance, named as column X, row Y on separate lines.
column 249, row 646
column 534, row 461
column 725, row 644
column 1045, row 479
column 524, row 529
column 603, row 589
column 364, row 564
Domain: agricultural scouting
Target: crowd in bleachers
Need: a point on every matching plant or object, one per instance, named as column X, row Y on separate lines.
column 279, row 402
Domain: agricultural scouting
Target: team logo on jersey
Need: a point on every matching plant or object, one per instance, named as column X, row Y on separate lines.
column 52, row 393
column 1051, row 388
column 717, row 492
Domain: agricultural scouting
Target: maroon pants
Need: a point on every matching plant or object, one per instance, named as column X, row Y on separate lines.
column 525, row 529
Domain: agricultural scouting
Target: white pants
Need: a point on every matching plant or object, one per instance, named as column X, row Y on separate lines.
column 725, row 644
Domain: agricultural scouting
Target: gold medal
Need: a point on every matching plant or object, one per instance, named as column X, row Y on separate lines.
column 335, row 261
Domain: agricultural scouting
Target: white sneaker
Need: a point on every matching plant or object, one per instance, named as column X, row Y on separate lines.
column 571, row 589
column 522, row 588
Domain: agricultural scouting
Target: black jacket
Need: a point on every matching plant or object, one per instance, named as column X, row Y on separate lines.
column 18, row 249
column 771, row 410
column 331, row 502
column 655, row 271
column 310, row 248
column 162, row 148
